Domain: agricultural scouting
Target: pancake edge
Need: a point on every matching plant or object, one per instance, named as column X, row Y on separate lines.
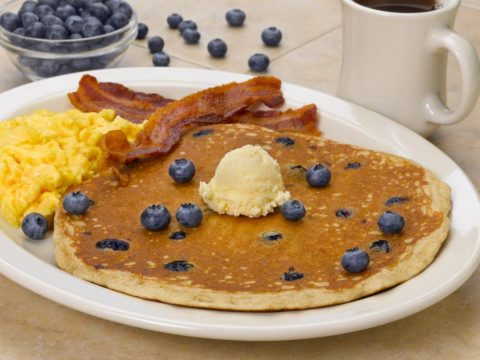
column 419, row 256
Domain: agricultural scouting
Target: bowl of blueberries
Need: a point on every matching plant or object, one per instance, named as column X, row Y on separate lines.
column 46, row 38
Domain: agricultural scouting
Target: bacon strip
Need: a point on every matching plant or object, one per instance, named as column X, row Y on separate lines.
column 94, row 96
column 303, row 120
column 211, row 106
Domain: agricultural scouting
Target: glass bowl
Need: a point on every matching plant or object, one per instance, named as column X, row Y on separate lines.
column 42, row 58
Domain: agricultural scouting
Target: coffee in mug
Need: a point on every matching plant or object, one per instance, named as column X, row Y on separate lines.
column 401, row 6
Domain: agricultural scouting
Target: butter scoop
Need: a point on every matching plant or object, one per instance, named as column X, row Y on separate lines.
column 247, row 182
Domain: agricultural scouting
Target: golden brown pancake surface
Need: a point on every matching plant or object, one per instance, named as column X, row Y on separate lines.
column 228, row 253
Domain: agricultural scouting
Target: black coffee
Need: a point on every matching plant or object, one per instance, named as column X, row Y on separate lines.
column 401, row 6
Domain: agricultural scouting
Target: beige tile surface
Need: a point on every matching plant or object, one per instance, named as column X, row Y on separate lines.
column 300, row 21
column 32, row 327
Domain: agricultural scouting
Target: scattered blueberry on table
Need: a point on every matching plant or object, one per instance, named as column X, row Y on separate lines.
column 217, row 48
column 155, row 44
column 355, row 260
column 35, row 226
column 235, row 17
column 191, row 36
column 258, row 62
column 181, row 170
column 155, row 218
column 293, row 210
column 187, row 24
column 173, row 20
column 271, row 36
column 142, row 31
column 160, row 59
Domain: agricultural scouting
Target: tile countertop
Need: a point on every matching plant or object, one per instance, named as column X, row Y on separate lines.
column 32, row 327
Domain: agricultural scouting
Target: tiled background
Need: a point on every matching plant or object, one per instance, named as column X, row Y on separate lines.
column 32, row 327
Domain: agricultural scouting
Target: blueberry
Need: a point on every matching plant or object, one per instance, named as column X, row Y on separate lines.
column 293, row 210
column 56, row 32
column 112, row 5
column 189, row 215
column 173, row 20
column 160, row 59
column 27, row 6
column 113, row 244
column 391, row 223
column 344, row 213
column 355, row 260
column 65, row 11
column 235, row 17
column 35, row 226
column 396, row 200
column 74, row 24
column 43, row 10
column 118, row 20
column 271, row 236
column 155, row 44
column 77, row 4
column 271, row 36
column 76, row 36
column 125, row 9
column 155, row 217
column 77, row 46
column 202, row 132
column 178, row 266
column 17, row 41
column 217, row 48
column 142, row 31
column 36, row 30
column 52, row 3
column 187, row 24
column 181, row 170
column 380, row 245
column 9, row 21
column 353, row 165
column 81, row 64
column 178, row 235
column 285, row 141
column 28, row 61
column 258, row 62
column 49, row 20
column 108, row 29
column 292, row 275
column 191, row 36
column 318, row 176
column 28, row 18
column 92, row 27
column 100, row 11
column 76, row 203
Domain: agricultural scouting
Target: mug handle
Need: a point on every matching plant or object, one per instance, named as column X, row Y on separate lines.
column 436, row 111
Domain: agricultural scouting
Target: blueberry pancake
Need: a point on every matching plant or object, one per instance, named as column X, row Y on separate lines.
column 268, row 262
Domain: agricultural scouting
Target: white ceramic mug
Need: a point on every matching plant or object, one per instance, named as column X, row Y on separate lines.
column 395, row 64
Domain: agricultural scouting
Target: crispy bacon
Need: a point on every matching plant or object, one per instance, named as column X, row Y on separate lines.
column 211, row 106
column 303, row 120
column 95, row 96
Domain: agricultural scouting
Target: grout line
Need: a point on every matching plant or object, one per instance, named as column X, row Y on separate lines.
column 307, row 42
column 140, row 45
column 470, row 5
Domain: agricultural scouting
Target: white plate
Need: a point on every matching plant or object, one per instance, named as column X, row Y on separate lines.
column 31, row 263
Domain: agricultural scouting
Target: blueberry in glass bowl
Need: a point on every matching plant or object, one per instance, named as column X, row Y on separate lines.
column 74, row 36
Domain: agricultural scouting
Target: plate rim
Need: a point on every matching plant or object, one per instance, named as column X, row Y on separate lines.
column 213, row 331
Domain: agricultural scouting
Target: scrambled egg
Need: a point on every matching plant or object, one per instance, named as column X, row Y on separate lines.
column 44, row 153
